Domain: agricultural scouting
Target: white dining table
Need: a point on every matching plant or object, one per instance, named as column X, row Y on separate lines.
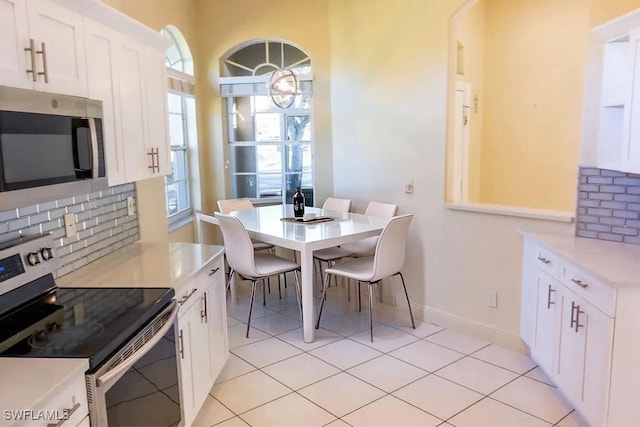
column 265, row 224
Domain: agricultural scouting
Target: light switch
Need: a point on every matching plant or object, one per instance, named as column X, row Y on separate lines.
column 408, row 186
column 131, row 208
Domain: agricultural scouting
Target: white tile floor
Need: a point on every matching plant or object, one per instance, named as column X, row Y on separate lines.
column 429, row 376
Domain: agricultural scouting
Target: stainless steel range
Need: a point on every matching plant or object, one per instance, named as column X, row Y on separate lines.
column 129, row 336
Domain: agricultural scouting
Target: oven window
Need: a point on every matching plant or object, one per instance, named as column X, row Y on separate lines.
column 148, row 393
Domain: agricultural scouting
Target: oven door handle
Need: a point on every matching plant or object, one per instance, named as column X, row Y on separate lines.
column 115, row 373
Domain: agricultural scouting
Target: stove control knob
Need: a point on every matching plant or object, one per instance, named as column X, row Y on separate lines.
column 33, row 258
column 46, row 253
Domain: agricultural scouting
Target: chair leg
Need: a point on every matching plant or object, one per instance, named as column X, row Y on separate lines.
column 228, row 286
column 298, row 292
column 349, row 290
column 370, row 310
column 324, row 294
column 253, row 294
column 413, row 323
column 279, row 288
column 264, row 294
column 359, row 295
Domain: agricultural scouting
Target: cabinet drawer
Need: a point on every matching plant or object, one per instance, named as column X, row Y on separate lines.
column 545, row 259
column 588, row 287
column 70, row 401
column 211, row 272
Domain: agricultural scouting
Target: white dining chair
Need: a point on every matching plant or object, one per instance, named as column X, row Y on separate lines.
column 252, row 265
column 337, row 205
column 387, row 261
column 364, row 247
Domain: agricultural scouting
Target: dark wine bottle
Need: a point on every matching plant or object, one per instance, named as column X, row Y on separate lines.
column 298, row 203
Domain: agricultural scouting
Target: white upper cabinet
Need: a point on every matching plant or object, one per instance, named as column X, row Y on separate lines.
column 615, row 46
column 128, row 74
column 42, row 47
column 13, row 58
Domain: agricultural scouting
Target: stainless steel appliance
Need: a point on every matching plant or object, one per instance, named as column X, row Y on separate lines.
column 51, row 146
column 129, row 336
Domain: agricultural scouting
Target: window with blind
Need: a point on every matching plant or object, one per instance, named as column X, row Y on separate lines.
column 182, row 127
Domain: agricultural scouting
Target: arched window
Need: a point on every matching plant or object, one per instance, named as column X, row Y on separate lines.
column 270, row 148
column 182, row 126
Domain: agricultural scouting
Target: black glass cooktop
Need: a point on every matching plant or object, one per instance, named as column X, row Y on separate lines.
column 79, row 322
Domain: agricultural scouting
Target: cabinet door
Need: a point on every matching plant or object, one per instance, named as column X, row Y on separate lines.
column 189, row 323
column 548, row 322
column 571, row 348
column 216, row 316
column 529, row 301
column 631, row 129
column 131, row 94
column 584, row 362
column 593, row 392
column 157, row 116
column 102, row 45
column 194, row 357
column 14, row 61
column 58, row 35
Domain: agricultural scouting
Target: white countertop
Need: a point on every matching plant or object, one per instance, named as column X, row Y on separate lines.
column 26, row 382
column 615, row 263
column 145, row 265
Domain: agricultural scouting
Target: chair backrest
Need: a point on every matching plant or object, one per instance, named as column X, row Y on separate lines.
column 386, row 210
column 230, row 205
column 391, row 247
column 337, row 205
column 237, row 244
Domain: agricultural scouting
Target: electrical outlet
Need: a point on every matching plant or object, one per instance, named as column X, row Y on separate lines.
column 70, row 224
column 131, row 208
column 492, row 299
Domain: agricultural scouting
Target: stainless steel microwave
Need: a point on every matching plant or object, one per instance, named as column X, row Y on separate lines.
column 51, row 146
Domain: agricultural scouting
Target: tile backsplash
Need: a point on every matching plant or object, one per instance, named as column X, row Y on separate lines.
column 102, row 225
column 608, row 205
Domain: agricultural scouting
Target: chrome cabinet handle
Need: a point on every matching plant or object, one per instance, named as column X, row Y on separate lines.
column 573, row 310
column 186, row 297
column 67, row 414
column 214, row 271
column 578, row 313
column 203, row 312
column 152, row 153
column 32, row 50
column 181, row 345
column 543, row 259
column 157, row 160
column 43, row 52
column 579, row 283
column 549, row 302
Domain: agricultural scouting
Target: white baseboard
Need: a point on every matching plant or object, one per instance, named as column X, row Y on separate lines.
column 476, row 329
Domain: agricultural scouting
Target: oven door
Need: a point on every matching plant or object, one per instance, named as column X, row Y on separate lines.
column 140, row 384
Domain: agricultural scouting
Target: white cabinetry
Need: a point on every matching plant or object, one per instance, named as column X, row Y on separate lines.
column 129, row 77
column 615, row 46
column 68, row 404
column 572, row 328
column 202, row 323
column 42, row 47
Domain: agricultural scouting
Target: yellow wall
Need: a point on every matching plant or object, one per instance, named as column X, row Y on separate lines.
column 534, row 64
column 151, row 202
column 222, row 25
column 470, row 32
column 606, row 10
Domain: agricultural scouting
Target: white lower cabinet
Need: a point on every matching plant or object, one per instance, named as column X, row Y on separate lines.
column 202, row 335
column 575, row 337
column 68, row 403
